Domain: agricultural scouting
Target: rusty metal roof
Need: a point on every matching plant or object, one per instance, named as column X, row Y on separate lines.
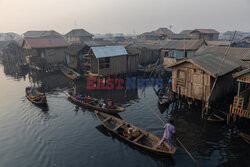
column 46, row 42
column 37, row 34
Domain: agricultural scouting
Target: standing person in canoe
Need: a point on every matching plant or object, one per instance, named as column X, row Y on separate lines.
column 168, row 133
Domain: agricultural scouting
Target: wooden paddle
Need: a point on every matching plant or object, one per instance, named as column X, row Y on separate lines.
column 190, row 155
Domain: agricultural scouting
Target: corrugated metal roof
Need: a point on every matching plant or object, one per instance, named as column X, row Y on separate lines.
column 99, row 43
column 180, row 36
column 211, row 64
column 143, row 45
column 163, row 31
column 218, row 43
column 181, row 44
column 78, row 32
column 237, row 53
column 74, row 48
column 37, row 34
column 109, row 51
column 186, row 32
column 46, row 42
column 132, row 50
column 206, row 31
column 152, row 33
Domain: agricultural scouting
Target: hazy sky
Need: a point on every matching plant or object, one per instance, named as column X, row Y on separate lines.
column 103, row 16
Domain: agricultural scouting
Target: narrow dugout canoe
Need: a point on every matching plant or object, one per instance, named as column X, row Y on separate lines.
column 145, row 140
column 94, row 104
column 39, row 100
column 70, row 73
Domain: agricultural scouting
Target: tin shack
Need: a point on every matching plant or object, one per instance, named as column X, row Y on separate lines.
column 111, row 60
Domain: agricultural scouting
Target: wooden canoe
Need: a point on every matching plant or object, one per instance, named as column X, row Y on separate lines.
column 90, row 74
column 39, row 100
column 164, row 96
column 217, row 116
column 70, row 73
column 146, row 140
column 94, row 104
column 245, row 137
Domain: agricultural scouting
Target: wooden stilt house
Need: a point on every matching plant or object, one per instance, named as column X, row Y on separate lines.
column 111, row 60
column 194, row 78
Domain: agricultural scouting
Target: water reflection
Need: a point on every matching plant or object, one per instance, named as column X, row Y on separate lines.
column 64, row 133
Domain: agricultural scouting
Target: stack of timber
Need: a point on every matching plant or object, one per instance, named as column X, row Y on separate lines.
column 70, row 73
column 146, row 140
column 37, row 97
column 93, row 104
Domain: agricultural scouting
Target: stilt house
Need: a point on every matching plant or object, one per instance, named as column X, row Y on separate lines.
column 194, row 78
column 111, row 60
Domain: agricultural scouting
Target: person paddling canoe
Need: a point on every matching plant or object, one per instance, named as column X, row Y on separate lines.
column 168, row 133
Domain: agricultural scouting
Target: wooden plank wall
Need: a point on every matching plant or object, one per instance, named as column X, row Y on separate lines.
column 133, row 62
column 56, row 55
column 94, row 64
column 148, row 56
column 190, row 81
column 118, row 65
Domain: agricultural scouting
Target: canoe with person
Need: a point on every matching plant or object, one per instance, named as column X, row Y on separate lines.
column 35, row 96
column 134, row 135
column 90, row 102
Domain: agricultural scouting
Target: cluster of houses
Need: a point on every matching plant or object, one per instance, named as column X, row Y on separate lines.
column 202, row 65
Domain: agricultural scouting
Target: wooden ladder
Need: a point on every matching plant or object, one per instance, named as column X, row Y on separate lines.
column 238, row 102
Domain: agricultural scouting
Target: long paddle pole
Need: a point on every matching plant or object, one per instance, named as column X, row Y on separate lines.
column 182, row 145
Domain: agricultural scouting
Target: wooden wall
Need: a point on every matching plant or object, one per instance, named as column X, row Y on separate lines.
column 148, row 56
column 73, row 61
column 94, row 64
column 132, row 63
column 118, row 65
column 190, row 81
column 55, row 55
column 224, row 86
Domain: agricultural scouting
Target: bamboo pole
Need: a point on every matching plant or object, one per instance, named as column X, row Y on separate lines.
column 207, row 103
column 190, row 155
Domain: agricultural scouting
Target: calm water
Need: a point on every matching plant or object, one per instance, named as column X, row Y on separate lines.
column 66, row 135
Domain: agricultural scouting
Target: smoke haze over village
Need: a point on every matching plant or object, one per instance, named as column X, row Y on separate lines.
column 123, row 16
